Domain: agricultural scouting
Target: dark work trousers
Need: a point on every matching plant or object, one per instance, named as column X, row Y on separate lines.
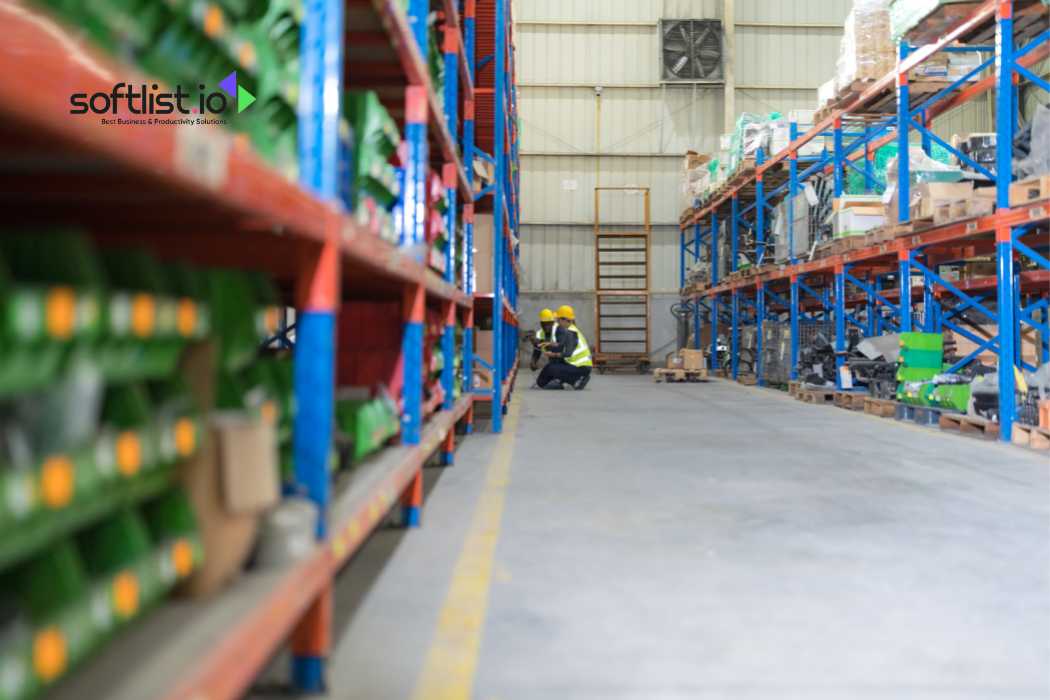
column 562, row 371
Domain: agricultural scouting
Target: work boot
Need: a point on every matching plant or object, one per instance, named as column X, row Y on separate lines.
column 554, row 384
column 581, row 382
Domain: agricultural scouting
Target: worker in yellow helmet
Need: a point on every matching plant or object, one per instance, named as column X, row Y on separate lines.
column 543, row 338
column 570, row 358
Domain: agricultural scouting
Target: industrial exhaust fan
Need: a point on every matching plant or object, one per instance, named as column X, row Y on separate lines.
column 692, row 50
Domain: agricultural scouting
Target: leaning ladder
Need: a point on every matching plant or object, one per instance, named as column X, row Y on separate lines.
column 621, row 284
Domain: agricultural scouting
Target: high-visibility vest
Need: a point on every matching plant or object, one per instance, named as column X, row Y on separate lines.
column 581, row 356
column 543, row 339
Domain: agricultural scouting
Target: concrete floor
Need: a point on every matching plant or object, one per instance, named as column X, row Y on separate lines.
column 718, row 541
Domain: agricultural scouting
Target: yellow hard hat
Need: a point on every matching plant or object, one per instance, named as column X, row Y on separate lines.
column 566, row 312
column 546, row 315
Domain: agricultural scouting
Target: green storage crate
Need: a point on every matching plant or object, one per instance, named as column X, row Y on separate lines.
column 366, row 423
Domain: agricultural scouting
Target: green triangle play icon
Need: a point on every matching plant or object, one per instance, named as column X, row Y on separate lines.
column 245, row 99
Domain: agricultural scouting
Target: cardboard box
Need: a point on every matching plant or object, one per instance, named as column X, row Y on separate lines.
column 927, row 196
column 483, row 253
column 674, row 361
column 964, row 346
column 857, row 219
column 231, row 480
column 692, row 359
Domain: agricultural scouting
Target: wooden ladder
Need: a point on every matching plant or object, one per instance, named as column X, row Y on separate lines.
column 621, row 284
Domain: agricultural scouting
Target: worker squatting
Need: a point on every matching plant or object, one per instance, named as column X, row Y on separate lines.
column 562, row 343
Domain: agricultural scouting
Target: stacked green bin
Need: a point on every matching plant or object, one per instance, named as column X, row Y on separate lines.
column 198, row 42
column 376, row 138
column 60, row 605
column 365, row 423
column 921, row 359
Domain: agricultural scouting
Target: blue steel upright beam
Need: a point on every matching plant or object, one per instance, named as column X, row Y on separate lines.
column 903, row 172
column 837, row 157
column 320, row 94
column 499, row 231
column 760, row 212
column 1004, row 254
column 714, row 297
column 840, row 323
column 792, row 193
column 760, row 317
column 734, row 336
column 794, row 327
column 734, row 232
column 904, row 287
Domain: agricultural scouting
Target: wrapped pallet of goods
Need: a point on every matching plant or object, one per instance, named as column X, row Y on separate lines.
column 866, row 53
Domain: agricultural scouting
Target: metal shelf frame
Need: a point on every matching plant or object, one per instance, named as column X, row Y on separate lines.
column 498, row 85
column 855, row 289
column 220, row 204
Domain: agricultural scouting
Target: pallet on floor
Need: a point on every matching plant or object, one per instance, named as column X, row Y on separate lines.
column 662, row 374
column 1031, row 436
column 921, row 415
column 850, row 400
column 969, row 425
column 883, row 408
column 793, row 387
column 818, row 396
column 747, row 379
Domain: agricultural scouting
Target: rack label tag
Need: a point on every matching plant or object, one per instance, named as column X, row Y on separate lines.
column 202, row 155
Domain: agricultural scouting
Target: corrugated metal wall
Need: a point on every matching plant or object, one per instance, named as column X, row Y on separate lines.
column 784, row 50
column 560, row 257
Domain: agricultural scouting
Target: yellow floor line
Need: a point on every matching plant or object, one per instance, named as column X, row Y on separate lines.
column 449, row 669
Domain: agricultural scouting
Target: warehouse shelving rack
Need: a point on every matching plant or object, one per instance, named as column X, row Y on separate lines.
column 850, row 288
column 496, row 140
column 202, row 195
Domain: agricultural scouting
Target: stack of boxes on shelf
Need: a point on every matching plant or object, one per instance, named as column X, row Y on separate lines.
column 190, row 43
column 113, row 411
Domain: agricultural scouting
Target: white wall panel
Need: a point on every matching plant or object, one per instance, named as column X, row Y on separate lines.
column 635, row 120
column 561, row 258
column 786, row 56
column 793, row 11
column 617, row 10
column 560, row 189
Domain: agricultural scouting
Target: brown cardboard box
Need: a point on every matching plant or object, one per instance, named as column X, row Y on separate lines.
column 692, row 359
column 483, row 345
column 964, row 346
column 229, row 481
column 483, row 253
column 927, row 196
column 248, row 459
column 674, row 361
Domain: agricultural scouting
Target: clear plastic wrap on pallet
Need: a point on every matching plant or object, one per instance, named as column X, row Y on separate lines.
column 1038, row 160
column 866, row 51
column 749, row 135
column 826, row 93
column 906, row 15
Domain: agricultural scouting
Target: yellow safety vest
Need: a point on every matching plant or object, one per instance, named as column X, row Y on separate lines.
column 581, row 356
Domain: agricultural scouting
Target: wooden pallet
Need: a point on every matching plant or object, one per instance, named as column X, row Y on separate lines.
column 1031, row 190
column 850, row 400
column 969, row 425
column 747, row 379
column 817, row 396
column 793, row 387
column 1031, row 436
column 963, row 209
column 920, row 415
column 664, row 375
column 883, row 408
